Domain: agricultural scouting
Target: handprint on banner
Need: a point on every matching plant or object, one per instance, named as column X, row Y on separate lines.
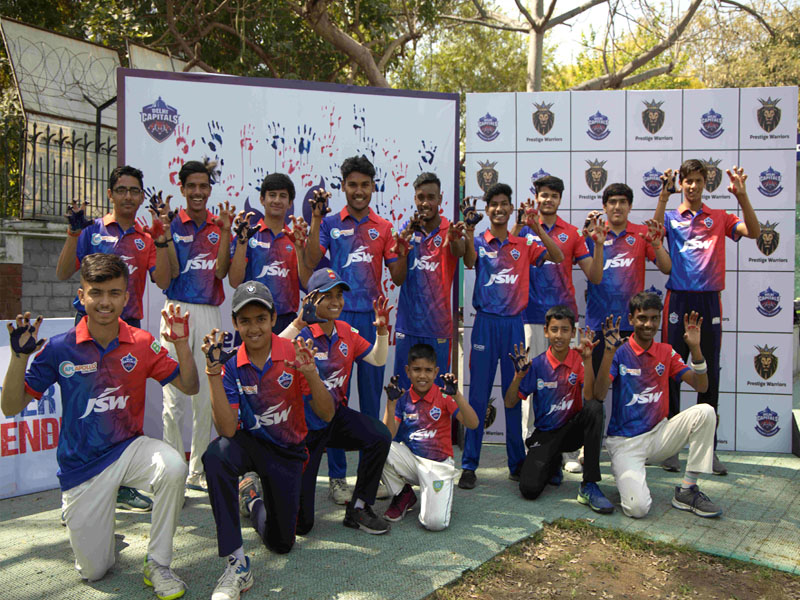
column 380, row 180
column 426, row 155
column 174, row 167
column 247, row 142
column 307, row 135
column 182, row 140
column 327, row 140
column 400, row 174
column 368, row 147
column 214, row 142
column 335, row 180
column 230, row 187
column 276, row 137
column 257, row 179
column 359, row 121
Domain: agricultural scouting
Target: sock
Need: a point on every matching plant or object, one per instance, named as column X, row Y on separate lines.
column 359, row 504
column 689, row 479
column 238, row 554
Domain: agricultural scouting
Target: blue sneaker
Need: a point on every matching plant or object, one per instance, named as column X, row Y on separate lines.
column 591, row 495
column 557, row 477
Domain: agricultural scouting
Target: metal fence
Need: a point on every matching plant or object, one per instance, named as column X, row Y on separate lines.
column 12, row 134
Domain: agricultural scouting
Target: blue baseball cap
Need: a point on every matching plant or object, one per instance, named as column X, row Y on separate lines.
column 324, row 280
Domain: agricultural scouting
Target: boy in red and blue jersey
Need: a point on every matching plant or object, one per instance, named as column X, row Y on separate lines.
column 695, row 237
column 502, row 266
column 339, row 346
column 560, row 385
column 623, row 248
column 197, row 269
column 359, row 243
column 102, row 365
column 639, row 430
column 270, row 253
column 424, row 311
column 422, row 451
column 257, row 404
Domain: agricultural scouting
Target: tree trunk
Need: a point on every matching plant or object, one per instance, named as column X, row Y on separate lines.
column 536, row 51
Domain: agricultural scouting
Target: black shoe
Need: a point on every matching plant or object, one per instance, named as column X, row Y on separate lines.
column 513, row 476
column 365, row 519
column 718, row 468
column 467, row 481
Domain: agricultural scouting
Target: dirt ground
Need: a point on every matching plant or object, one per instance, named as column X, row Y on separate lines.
column 572, row 559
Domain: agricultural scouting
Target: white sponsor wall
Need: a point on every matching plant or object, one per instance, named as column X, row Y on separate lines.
column 260, row 126
column 591, row 139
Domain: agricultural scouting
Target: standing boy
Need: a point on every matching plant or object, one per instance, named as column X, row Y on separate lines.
column 102, row 365
column 502, row 267
column 422, row 452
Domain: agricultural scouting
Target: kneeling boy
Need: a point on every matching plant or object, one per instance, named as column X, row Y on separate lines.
column 560, row 382
column 422, row 452
column 639, row 430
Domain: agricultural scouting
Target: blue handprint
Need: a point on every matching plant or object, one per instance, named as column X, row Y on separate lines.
column 307, row 135
column 426, row 155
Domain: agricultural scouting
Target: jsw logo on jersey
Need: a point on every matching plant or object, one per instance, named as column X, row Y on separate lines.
column 562, row 404
column 105, row 402
column 423, row 434
column 620, row 260
column 274, row 269
column 646, row 396
column 424, row 264
column 696, row 245
column 200, row 263
column 131, row 268
column 504, row 277
column 273, row 416
column 360, row 255
column 335, row 380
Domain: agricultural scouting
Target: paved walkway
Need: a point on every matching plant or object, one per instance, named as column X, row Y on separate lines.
column 761, row 524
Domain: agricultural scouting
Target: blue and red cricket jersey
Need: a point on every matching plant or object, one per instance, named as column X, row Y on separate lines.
column 640, row 398
column 551, row 283
column 269, row 400
column 134, row 246
column 272, row 260
column 624, row 259
column 334, row 358
column 425, row 423
column 502, row 272
column 197, row 249
column 102, row 394
column 696, row 246
column 424, row 307
column 556, row 388
column 357, row 250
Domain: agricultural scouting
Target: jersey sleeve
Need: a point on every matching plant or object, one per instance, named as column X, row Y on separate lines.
column 151, row 254
column 362, row 347
column 452, row 405
column 581, row 373
column 42, row 373
column 614, row 367
column 163, row 367
column 324, row 235
column 388, row 255
column 580, row 250
column 536, row 254
column 731, row 223
column 82, row 249
column 527, row 386
column 398, row 409
column 676, row 366
column 229, row 384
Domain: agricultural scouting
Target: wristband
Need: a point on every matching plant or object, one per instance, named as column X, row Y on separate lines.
column 71, row 233
column 163, row 244
column 214, row 373
column 699, row 368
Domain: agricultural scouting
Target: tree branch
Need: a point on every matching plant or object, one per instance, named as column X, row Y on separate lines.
column 528, row 16
column 751, row 12
column 572, row 13
column 490, row 25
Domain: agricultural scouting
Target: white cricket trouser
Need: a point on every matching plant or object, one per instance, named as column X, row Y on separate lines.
column 202, row 319
column 694, row 425
column 536, row 344
column 435, row 480
column 89, row 507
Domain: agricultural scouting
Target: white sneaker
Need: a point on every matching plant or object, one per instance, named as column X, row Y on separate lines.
column 165, row 584
column 236, row 579
column 383, row 492
column 339, row 491
column 197, row 481
column 572, row 463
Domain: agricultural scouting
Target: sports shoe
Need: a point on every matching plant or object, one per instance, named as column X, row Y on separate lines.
column 514, row 476
column 557, row 477
column 383, row 492
column 164, row 582
column 401, row 504
column 672, row 464
column 572, row 463
column 592, row 496
column 364, row 519
column 468, row 480
column 236, row 579
column 692, row 499
column 718, row 468
column 248, row 491
column 129, row 498
column 339, row 491
column 197, row 481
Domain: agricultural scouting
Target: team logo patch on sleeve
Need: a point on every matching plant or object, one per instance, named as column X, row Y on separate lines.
column 343, row 348
column 373, row 233
column 128, row 362
column 767, row 422
column 515, row 254
column 285, row 380
column 660, row 369
column 139, row 243
column 213, row 237
column 155, row 346
column 563, row 237
column 435, row 413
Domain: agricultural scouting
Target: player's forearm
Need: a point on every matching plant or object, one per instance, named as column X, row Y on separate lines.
column 588, row 379
column 187, row 380
column 398, row 270
column 174, row 263
column 457, row 248
column 321, row 400
column 238, row 266
column 661, row 206
column 224, row 417
column 303, row 270
column 469, row 417
column 223, row 254
column 470, row 255
column 663, row 260
column 516, row 228
column 161, row 274
column 603, row 380
column 380, row 349
column 595, row 274
column 554, row 253
column 13, row 398
column 512, row 393
column 750, row 219
column 313, row 253
column 66, row 260
column 388, row 417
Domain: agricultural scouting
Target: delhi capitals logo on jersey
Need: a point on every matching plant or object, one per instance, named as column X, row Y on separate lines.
column 343, row 348
column 128, row 362
column 652, row 182
column 435, row 413
column 711, row 125
column 213, row 237
column 573, row 378
column 769, row 303
column 708, row 222
column 285, row 380
column 139, row 243
column 660, row 369
column 770, row 182
column 437, row 241
column 159, row 119
column 563, row 237
column 598, row 126
column 767, row 422
column 487, row 128
column 515, row 254
column 373, row 233
column 630, row 240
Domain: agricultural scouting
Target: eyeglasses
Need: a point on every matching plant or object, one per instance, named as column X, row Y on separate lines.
column 124, row 191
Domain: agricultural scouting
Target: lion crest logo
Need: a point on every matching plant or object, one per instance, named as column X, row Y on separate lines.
column 769, row 115
column 653, row 115
column 543, row 118
column 487, row 175
column 768, row 239
column 765, row 362
column 596, row 175
column 713, row 174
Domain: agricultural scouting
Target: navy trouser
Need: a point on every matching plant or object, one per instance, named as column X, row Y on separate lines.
column 348, row 430
column 493, row 339
column 545, row 448
column 709, row 306
column 403, row 343
column 370, row 386
column 280, row 470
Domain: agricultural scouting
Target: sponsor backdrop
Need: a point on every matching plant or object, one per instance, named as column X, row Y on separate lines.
column 258, row 126
column 591, row 139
